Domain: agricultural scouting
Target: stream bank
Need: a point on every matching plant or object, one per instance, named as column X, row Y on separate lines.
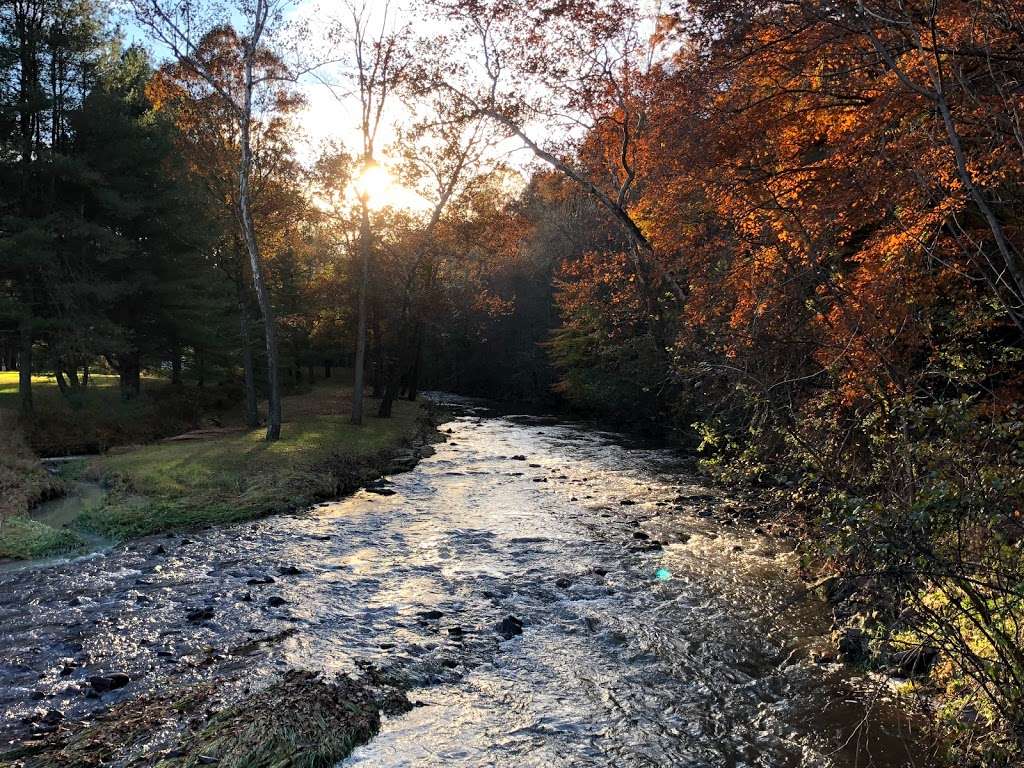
column 188, row 484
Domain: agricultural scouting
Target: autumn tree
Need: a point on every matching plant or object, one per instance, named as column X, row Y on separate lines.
column 376, row 67
column 261, row 42
column 209, row 136
column 567, row 72
column 443, row 153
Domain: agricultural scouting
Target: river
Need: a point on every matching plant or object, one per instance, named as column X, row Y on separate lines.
column 651, row 635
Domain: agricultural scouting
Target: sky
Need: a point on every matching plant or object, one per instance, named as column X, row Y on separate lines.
column 331, row 115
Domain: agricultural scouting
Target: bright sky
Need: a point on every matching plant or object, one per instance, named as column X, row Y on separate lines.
column 333, row 115
column 333, row 112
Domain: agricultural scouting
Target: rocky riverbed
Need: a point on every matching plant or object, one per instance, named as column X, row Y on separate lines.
column 536, row 593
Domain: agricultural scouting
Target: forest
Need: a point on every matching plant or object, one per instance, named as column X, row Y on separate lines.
column 784, row 239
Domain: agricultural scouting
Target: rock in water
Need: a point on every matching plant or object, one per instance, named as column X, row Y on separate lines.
column 852, row 645
column 509, row 627
column 52, row 717
column 111, row 682
column 199, row 614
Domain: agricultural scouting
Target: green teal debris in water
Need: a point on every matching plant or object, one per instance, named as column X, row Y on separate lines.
column 663, row 574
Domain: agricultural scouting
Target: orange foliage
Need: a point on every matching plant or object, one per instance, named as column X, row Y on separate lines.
column 797, row 174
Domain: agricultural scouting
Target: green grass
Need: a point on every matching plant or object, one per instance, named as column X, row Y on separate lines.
column 22, row 538
column 188, row 484
column 175, row 485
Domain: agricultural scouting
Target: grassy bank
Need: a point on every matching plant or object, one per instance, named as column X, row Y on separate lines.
column 174, row 485
column 23, row 484
column 223, row 477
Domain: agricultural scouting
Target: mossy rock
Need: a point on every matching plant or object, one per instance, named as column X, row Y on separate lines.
column 299, row 722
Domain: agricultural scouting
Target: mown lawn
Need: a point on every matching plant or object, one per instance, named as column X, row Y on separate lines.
column 45, row 387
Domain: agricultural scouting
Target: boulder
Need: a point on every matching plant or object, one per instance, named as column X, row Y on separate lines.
column 197, row 615
column 110, row 682
column 914, row 661
column 851, row 644
column 509, row 627
column 52, row 717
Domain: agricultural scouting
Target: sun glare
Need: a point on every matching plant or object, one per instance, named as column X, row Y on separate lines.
column 378, row 186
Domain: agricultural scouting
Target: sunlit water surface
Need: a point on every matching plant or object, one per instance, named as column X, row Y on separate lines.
column 692, row 654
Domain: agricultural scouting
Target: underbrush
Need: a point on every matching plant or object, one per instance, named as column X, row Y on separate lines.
column 23, row 480
column 298, row 720
column 23, row 484
column 98, row 419
column 916, row 510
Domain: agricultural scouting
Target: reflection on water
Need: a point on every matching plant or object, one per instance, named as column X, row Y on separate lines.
column 650, row 636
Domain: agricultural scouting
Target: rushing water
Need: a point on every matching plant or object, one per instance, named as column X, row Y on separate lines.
column 691, row 653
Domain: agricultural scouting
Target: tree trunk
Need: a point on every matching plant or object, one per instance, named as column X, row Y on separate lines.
column 249, row 232
column 62, row 384
column 200, row 368
column 85, row 376
column 25, row 366
column 390, row 394
column 417, row 361
column 398, row 367
column 364, row 278
column 379, row 361
column 252, row 418
column 136, row 382
column 327, row 369
column 128, row 366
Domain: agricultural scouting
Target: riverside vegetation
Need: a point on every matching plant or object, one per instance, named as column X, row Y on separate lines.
column 213, row 476
column 786, row 237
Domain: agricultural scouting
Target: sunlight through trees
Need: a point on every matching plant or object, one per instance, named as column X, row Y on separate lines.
column 784, row 236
